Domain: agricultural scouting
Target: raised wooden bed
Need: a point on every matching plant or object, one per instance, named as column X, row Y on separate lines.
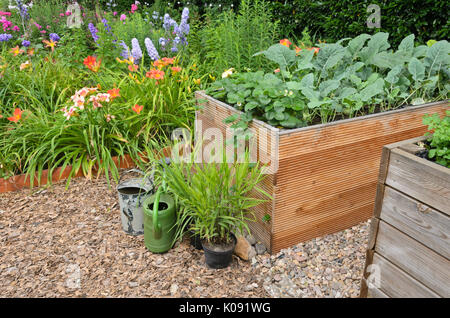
column 409, row 244
column 323, row 178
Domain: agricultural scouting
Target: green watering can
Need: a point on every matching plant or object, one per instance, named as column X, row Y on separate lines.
column 159, row 220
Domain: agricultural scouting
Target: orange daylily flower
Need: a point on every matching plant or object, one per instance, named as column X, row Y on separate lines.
column 175, row 69
column 17, row 115
column 315, row 49
column 51, row 44
column 30, row 52
column 114, row 93
column 16, row 51
column 197, row 81
column 285, row 42
column 92, row 63
column 155, row 74
column 159, row 64
column 133, row 67
column 168, row 60
column 137, row 108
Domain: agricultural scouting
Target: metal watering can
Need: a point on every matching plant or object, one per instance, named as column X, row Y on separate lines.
column 132, row 193
column 159, row 220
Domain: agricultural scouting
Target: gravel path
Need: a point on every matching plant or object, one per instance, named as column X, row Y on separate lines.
column 69, row 243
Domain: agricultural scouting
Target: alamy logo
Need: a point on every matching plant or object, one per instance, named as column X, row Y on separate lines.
column 74, row 274
column 374, row 20
column 374, row 279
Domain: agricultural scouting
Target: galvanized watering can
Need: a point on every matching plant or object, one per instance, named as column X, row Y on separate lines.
column 132, row 194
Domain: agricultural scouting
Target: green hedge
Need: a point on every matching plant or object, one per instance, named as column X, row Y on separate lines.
column 335, row 19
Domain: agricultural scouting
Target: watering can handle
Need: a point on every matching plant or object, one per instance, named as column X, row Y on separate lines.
column 137, row 171
column 156, row 225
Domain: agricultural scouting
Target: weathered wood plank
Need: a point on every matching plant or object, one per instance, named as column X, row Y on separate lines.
column 428, row 267
column 422, row 179
column 417, row 220
column 376, row 293
column 394, row 282
column 374, row 223
column 370, row 292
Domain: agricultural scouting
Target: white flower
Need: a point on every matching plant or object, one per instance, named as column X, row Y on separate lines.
column 227, row 73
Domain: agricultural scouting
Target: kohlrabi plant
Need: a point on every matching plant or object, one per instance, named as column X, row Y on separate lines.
column 349, row 78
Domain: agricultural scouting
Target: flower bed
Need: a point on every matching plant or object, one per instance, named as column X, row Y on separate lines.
column 21, row 181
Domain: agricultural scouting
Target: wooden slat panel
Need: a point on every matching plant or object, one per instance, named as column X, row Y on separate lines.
column 375, row 293
column 385, row 126
column 375, row 222
column 417, row 220
column 371, row 292
column 312, row 212
column 428, row 267
column 421, row 179
column 395, row 283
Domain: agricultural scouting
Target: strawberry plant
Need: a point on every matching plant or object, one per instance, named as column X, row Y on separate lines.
column 439, row 142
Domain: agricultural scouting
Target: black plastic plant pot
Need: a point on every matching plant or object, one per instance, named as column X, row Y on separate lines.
column 218, row 257
column 195, row 241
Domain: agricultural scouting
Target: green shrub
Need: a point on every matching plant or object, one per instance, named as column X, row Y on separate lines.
column 232, row 39
column 335, row 19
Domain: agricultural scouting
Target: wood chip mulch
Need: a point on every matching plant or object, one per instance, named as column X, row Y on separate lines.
column 70, row 243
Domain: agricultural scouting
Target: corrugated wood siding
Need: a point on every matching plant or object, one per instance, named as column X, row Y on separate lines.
column 327, row 175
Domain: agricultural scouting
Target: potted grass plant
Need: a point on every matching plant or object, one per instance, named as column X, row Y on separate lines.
column 215, row 199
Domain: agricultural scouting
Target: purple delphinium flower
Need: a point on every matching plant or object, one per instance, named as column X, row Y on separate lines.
column 185, row 14
column 167, row 22
column 184, row 25
column 54, row 37
column 23, row 11
column 26, row 43
column 136, row 51
column 151, row 50
column 107, row 26
column 126, row 51
column 4, row 37
column 162, row 41
column 94, row 32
